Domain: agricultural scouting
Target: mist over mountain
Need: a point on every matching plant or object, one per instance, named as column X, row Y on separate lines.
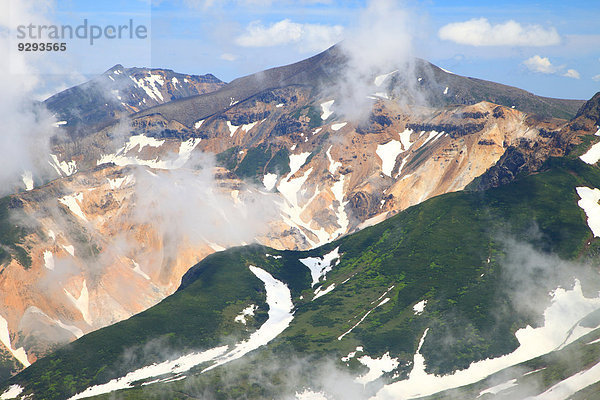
column 341, row 227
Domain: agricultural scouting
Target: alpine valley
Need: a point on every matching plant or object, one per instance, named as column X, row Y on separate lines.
column 189, row 238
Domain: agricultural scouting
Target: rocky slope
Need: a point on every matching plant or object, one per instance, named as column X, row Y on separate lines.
column 454, row 291
column 137, row 202
column 121, row 91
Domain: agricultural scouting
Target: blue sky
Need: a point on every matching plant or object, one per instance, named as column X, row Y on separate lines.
column 551, row 48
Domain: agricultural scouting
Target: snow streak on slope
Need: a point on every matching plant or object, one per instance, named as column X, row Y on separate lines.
column 63, row 168
column 558, row 330
column 499, row 388
column 571, row 385
column 19, row 353
column 368, row 312
column 292, row 208
column 279, row 300
column 121, row 157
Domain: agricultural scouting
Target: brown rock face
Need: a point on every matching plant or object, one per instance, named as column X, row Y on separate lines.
column 137, row 204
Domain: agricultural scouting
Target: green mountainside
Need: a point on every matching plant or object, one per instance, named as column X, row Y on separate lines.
column 450, row 250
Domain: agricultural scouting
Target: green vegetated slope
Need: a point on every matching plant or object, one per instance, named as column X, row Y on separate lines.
column 537, row 375
column 449, row 250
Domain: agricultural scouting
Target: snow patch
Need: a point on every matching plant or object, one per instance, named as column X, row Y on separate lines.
column 19, row 353
column 326, row 107
column 592, row 156
column 533, row 342
column 269, row 181
column 342, row 218
column 177, row 366
column 232, row 128
column 499, row 388
column 27, row 180
column 419, row 307
column 333, row 165
column 139, row 271
column 272, row 256
column 571, row 385
column 141, row 141
column 279, row 300
column 308, row 394
column 388, row 153
column 381, row 78
column 320, row 266
column 320, row 293
column 405, row 139
column 297, row 161
column 63, row 168
column 589, row 204
column 69, row 249
column 72, row 202
column 119, row 182
column 377, row 367
column 48, row 260
column 352, row 354
column 247, row 127
column 337, row 127
column 149, row 85
column 246, row 312
column 12, row 392
column 198, row 124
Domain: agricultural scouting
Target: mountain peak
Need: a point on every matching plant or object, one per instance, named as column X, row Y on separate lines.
column 591, row 109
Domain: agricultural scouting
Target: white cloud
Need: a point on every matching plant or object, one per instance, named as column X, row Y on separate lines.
column 308, row 37
column 480, row 32
column 246, row 3
column 228, row 57
column 571, row 73
column 543, row 65
column 596, row 78
column 540, row 64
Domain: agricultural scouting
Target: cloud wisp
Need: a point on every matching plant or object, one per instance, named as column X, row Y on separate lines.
column 543, row 65
column 480, row 32
column 307, row 37
column 380, row 42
